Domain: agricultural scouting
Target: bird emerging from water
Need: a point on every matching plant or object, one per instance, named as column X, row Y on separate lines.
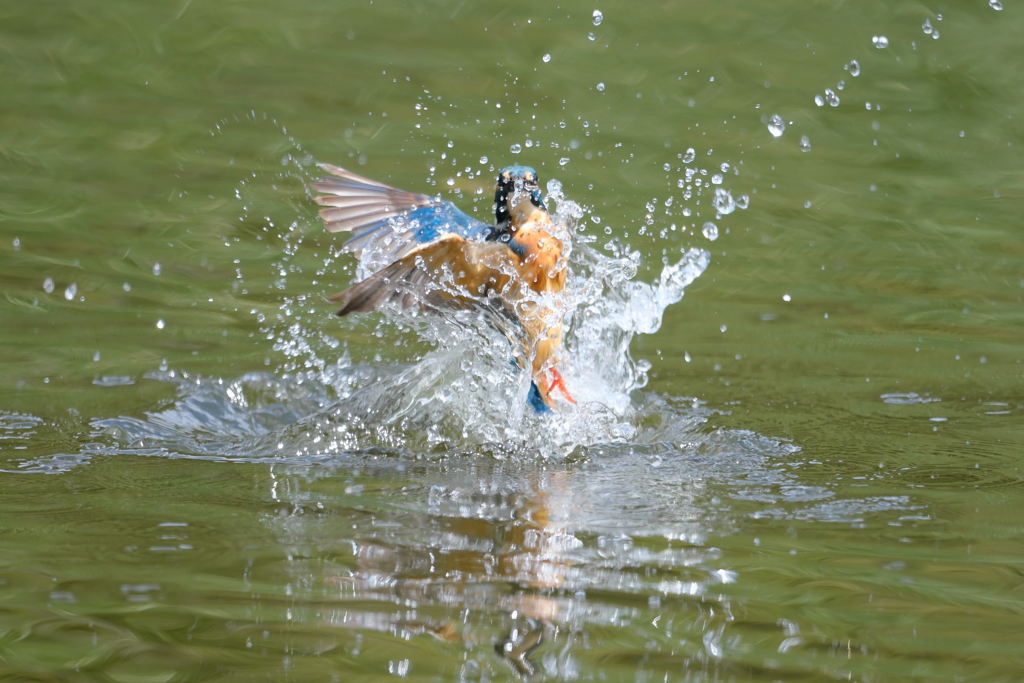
column 428, row 254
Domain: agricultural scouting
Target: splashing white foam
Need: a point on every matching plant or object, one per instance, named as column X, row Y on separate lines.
column 467, row 392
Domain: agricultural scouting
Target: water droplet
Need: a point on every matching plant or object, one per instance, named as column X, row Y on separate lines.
column 591, row 36
column 160, row 324
column 961, row 133
column 819, row 100
column 840, row 85
column 807, row 204
column 927, row 27
column 723, row 328
column 686, row 210
column 450, row 144
column 805, row 144
column 854, row 68
column 995, row 4
column 680, row 183
column 450, row 181
column 867, row 105
column 776, row 126
column 880, row 42
column 786, row 297
column 483, row 160
column 686, row 356
column 599, row 17
column 96, row 357
column 127, row 286
column 723, row 201
column 716, row 179
column 48, row 285
column 516, row 148
column 689, row 156
column 546, row 58
column 725, row 167
column 529, row 143
column 935, row 34
column 710, row 231
column 743, row 201
column 70, row 292
column 831, row 97
column 600, row 87
column 156, row 269
column 555, row 187
column 563, row 161
column 667, row 167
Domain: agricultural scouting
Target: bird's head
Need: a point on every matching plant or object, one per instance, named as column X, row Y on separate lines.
column 517, row 197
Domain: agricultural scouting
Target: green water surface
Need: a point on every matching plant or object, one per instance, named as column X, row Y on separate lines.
column 840, row 507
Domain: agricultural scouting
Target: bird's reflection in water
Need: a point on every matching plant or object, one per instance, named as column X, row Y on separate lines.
column 536, row 567
column 515, row 565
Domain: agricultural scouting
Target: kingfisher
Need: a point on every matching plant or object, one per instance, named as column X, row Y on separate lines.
column 427, row 254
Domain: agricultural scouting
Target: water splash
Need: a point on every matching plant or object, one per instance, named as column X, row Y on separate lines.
column 723, row 201
column 465, row 393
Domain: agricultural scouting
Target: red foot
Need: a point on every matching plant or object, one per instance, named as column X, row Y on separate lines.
column 559, row 383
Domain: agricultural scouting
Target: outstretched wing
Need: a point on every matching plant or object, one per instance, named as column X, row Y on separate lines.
column 451, row 274
column 450, row 271
column 388, row 224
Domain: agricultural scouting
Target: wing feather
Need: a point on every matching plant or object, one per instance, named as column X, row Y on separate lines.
column 358, row 214
column 409, row 281
column 387, row 223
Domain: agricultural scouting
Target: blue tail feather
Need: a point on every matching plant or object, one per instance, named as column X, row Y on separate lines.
column 535, row 401
column 533, row 398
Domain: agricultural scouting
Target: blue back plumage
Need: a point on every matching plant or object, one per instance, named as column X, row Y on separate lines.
column 386, row 222
column 430, row 223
